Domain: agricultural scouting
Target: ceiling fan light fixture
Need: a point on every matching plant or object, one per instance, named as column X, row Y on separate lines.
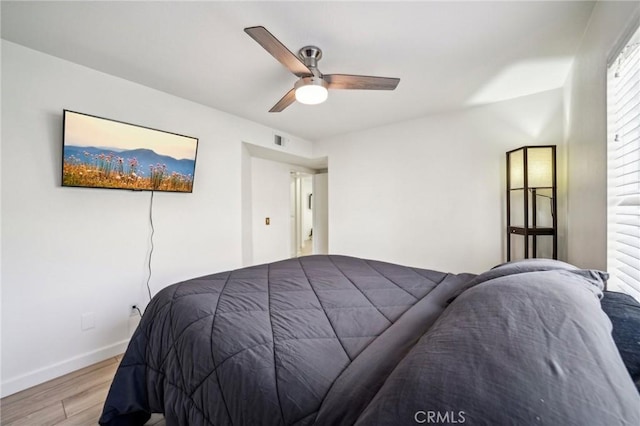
column 311, row 90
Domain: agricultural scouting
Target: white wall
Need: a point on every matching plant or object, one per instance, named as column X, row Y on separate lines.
column 271, row 196
column 585, row 101
column 430, row 192
column 247, row 210
column 69, row 251
column 321, row 213
column 306, row 189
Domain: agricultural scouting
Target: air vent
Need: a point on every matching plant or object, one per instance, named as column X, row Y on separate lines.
column 278, row 140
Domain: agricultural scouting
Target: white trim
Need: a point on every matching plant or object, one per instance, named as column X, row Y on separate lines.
column 623, row 39
column 53, row 371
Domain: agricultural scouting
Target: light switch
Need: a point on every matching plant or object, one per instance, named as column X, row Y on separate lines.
column 267, row 221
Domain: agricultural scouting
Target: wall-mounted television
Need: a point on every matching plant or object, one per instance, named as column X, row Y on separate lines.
column 103, row 153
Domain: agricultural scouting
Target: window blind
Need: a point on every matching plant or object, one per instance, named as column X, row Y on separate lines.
column 623, row 180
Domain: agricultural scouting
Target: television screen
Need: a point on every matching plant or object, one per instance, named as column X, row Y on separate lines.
column 103, row 153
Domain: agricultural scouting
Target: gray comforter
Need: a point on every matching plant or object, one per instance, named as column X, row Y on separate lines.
column 335, row 340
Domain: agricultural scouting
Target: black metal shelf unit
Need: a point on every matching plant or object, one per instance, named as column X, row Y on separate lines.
column 531, row 175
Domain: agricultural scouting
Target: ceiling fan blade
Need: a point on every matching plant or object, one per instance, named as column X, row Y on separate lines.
column 286, row 100
column 278, row 51
column 360, row 82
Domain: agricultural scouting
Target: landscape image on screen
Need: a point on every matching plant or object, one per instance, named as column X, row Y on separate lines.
column 102, row 153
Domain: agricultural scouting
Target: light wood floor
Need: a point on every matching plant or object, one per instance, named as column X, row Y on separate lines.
column 74, row 399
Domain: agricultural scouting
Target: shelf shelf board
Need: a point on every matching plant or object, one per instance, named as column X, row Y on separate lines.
column 519, row 230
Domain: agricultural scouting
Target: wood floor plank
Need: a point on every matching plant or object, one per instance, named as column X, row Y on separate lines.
column 55, row 382
column 46, row 416
column 75, row 399
column 86, row 399
column 87, row 417
column 66, row 389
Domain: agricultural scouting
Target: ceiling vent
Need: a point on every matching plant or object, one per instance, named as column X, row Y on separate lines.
column 279, row 140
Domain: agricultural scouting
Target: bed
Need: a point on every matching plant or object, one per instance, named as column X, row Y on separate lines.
column 337, row 340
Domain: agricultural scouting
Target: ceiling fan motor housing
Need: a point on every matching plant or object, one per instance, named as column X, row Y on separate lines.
column 311, row 81
column 310, row 55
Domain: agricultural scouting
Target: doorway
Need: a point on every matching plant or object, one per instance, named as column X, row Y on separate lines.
column 302, row 214
column 281, row 216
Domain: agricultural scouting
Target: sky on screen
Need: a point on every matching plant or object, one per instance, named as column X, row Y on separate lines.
column 85, row 131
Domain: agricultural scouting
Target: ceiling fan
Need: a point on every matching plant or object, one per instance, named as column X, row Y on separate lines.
column 311, row 87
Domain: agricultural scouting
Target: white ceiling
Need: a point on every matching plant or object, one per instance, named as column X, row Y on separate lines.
column 447, row 55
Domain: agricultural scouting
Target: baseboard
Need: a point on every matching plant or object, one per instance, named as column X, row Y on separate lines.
column 45, row 374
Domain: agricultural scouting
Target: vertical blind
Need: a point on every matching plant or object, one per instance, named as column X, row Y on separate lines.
column 623, row 180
